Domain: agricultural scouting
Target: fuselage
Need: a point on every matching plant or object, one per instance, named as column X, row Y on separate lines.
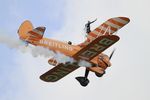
column 70, row 50
column 58, row 46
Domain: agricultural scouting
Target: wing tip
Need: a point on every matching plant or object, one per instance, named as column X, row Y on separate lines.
column 125, row 18
column 48, row 78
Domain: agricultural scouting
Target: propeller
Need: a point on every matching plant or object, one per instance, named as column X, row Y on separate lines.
column 111, row 54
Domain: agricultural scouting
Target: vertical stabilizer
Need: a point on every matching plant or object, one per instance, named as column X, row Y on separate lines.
column 24, row 28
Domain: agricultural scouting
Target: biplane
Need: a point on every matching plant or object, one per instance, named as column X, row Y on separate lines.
column 91, row 50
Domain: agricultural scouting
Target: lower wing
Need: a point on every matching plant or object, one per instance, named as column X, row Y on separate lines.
column 58, row 72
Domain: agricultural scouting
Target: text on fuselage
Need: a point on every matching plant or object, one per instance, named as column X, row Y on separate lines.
column 56, row 45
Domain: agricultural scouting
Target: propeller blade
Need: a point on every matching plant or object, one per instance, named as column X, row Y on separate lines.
column 112, row 54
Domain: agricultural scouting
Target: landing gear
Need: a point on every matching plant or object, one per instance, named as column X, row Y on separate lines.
column 84, row 81
column 99, row 75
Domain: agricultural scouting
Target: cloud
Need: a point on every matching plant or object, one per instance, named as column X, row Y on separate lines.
column 122, row 76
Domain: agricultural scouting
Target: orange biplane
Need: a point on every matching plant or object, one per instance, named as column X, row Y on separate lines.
column 90, row 50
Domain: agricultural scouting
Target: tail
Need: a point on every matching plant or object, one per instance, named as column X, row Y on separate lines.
column 29, row 34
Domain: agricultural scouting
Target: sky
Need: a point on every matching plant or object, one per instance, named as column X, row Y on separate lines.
column 127, row 78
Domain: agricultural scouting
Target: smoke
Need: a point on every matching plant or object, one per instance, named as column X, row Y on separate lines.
column 46, row 53
column 84, row 63
column 41, row 51
column 61, row 58
column 37, row 51
column 9, row 41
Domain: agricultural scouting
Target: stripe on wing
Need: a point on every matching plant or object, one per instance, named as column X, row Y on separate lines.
column 121, row 20
column 38, row 31
column 34, row 33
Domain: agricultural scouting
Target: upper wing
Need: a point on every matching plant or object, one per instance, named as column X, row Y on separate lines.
column 107, row 28
column 87, row 53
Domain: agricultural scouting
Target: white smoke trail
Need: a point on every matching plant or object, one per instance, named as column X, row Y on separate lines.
column 84, row 63
column 38, row 50
column 61, row 58
column 45, row 52
column 41, row 51
column 9, row 41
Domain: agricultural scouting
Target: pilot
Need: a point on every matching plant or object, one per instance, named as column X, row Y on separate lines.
column 87, row 26
column 69, row 42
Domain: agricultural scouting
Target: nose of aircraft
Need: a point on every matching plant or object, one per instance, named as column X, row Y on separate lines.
column 103, row 61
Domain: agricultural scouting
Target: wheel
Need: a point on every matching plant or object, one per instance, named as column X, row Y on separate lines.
column 83, row 81
column 99, row 75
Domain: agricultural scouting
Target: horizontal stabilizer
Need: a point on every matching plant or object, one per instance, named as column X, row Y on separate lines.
column 36, row 34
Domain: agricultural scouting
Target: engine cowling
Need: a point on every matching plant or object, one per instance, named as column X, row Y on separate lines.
column 103, row 61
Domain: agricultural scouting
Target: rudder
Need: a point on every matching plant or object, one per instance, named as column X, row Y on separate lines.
column 24, row 28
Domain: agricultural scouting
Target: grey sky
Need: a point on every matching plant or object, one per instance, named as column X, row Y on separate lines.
column 127, row 79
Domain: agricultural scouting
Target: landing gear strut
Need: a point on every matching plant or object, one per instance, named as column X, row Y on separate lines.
column 84, row 80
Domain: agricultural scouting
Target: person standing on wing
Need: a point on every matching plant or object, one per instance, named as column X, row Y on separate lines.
column 87, row 26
